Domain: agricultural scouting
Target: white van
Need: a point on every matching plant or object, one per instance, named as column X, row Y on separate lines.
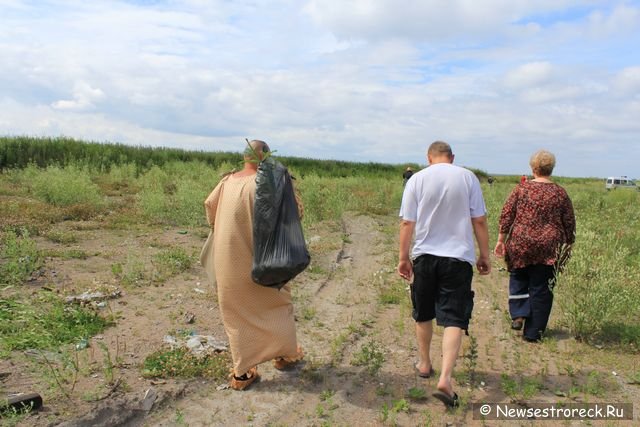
column 614, row 182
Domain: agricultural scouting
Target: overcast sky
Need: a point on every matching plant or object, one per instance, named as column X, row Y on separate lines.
column 363, row 80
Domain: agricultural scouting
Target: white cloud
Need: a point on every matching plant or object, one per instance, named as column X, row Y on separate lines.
column 84, row 97
column 627, row 82
column 375, row 81
column 527, row 75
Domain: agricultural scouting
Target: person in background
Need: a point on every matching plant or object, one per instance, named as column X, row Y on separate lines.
column 258, row 320
column 443, row 205
column 408, row 173
column 523, row 179
column 536, row 230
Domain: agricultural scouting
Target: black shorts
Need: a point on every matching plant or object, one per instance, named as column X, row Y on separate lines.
column 441, row 289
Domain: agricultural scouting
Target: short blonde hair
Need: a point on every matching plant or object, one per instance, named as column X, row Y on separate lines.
column 542, row 163
column 439, row 148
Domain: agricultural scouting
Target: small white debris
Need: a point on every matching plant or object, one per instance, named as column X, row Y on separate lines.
column 200, row 291
column 614, row 373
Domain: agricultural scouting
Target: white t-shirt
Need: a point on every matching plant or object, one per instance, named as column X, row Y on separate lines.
column 441, row 200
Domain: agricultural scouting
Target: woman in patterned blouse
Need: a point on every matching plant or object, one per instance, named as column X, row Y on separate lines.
column 537, row 229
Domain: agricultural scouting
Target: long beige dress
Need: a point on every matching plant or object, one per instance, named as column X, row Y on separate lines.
column 258, row 320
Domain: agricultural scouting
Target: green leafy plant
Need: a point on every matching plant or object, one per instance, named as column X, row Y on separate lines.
column 63, row 237
column 132, row 273
column 172, row 261
column 371, row 356
column 522, row 388
column 19, row 257
column 45, row 322
column 181, row 363
column 416, row 393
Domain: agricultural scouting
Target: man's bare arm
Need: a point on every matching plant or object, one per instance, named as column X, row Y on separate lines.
column 481, row 231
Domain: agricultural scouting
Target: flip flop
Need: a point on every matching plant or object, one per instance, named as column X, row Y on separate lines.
column 449, row 402
column 240, row 383
column 422, row 374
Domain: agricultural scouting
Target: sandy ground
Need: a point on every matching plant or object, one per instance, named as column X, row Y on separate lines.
column 339, row 313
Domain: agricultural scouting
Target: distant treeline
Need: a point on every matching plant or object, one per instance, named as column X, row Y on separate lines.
column 20, row 151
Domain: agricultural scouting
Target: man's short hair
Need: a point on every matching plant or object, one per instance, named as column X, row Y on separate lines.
column 439, row 148
column 542, row 162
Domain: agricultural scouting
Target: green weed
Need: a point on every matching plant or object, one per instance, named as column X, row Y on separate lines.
column 45, row 322
column 132, row 273
column 471, row 360
column 62, row 237
column 371, row 356
column 19, row 257
column 172, row 261
column 183, row 364
column 327, row 394
column 520, row 388
column 65, row 187
column 66, row 254
column 11, row 417
column 308, row 313
column 416, row 393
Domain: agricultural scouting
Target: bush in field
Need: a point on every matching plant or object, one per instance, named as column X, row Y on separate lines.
column 323, row 199
column 63, row 187
column 176, row 194
column 122, row 176
column 328, row 198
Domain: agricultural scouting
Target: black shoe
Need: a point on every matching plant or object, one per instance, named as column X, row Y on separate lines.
column 535, row 340
column 517, row 324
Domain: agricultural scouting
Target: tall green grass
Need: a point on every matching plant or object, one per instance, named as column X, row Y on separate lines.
column 60, row 186
column 599, row 292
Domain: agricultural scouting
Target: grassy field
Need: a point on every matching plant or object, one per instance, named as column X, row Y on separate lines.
column 113, row 187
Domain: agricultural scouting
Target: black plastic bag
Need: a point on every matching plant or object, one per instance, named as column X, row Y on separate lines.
column 279, row 250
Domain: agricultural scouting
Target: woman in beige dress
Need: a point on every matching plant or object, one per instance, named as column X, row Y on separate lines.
column 258, row 320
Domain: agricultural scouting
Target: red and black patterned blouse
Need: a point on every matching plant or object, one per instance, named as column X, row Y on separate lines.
column 538, row 219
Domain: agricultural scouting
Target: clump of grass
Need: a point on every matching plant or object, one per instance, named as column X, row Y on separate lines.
column 370, row 356
column 172, row 261
column 19, row 257
column 14, row 416
column 66, row 254
column 594, row 384
column 416, row 393
column 391, row 295
column 62, row 237
column 180, row 363
column 520, row 388
column 45, row 322
column 130, row 273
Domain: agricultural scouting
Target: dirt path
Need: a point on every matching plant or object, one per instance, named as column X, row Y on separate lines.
column 354, row 322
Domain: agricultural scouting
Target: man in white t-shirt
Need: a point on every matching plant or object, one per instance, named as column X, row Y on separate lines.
column 443, row 205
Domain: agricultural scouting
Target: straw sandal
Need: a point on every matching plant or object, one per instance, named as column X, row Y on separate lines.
column 283, row 363
column 244, row 381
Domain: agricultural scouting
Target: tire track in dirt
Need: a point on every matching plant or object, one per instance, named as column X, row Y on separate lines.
column 339, row 311
column 339, row 303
